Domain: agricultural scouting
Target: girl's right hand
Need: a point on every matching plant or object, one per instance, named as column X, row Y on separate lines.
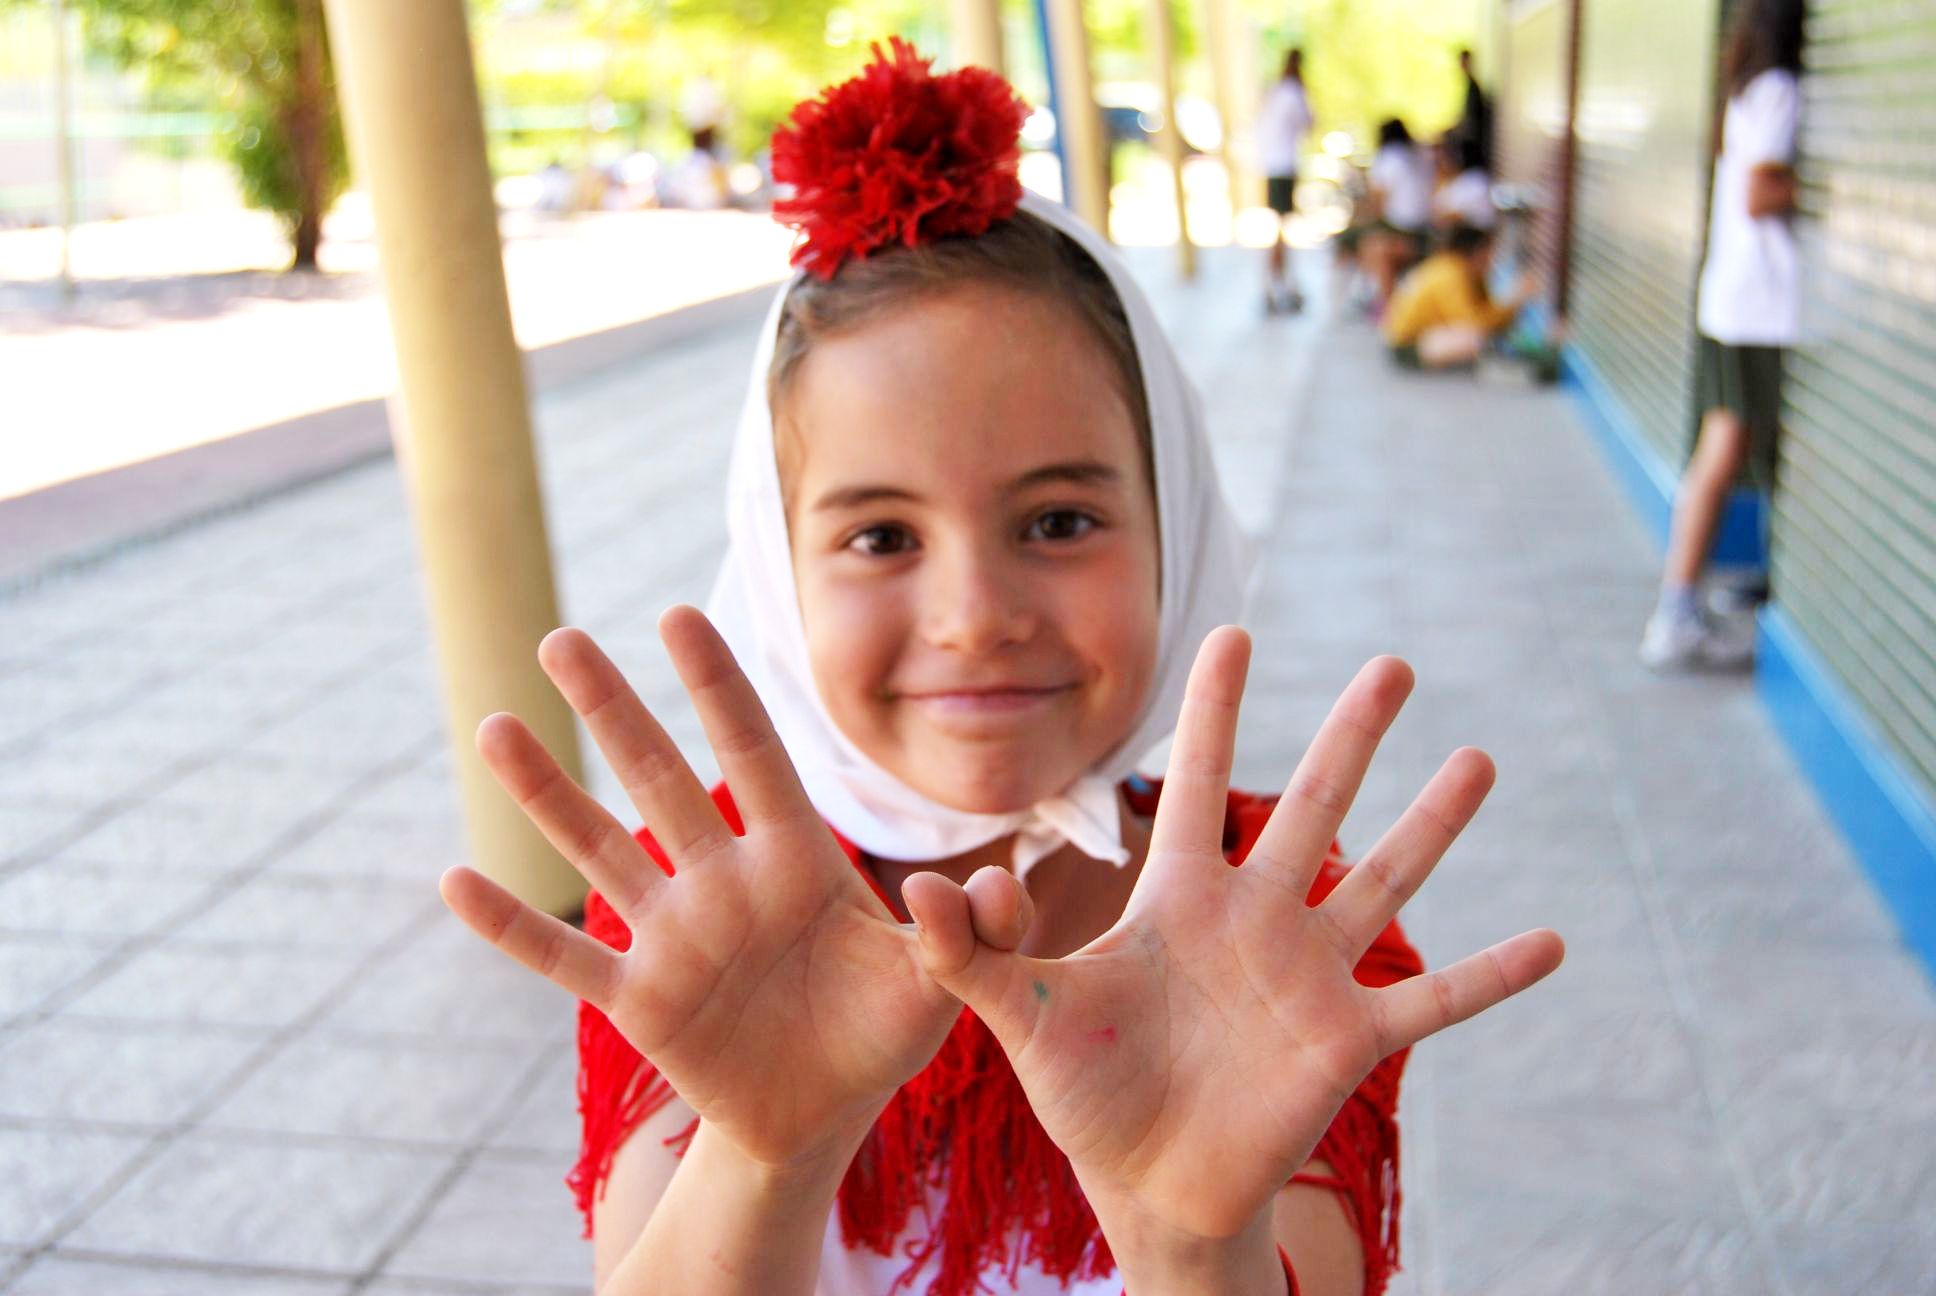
column 765, row 981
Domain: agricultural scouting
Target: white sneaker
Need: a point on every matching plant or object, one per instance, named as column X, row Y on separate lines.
column 1692, row 643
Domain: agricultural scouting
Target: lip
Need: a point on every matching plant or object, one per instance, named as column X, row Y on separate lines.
column 995, row 700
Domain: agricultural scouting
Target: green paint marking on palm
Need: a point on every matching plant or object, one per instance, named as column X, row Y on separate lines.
column 1041, row 992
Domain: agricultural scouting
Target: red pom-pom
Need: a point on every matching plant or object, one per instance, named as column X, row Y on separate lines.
column 898, row 155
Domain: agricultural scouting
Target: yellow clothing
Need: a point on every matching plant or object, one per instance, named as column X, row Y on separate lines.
column 1441, row 291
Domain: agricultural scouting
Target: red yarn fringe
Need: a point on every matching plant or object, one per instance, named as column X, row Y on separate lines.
column 962, row 1132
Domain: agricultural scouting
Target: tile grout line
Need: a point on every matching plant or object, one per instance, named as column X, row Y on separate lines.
column 460, row 1165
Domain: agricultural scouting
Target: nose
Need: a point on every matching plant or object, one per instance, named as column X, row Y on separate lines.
column 976, row 599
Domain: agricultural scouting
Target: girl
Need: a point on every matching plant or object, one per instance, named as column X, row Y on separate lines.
column 1401, row 208
column 1014, row 1023
column 1748, row 311
column 1282, row 123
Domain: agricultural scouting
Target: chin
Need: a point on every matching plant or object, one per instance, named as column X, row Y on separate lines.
column 988, row 791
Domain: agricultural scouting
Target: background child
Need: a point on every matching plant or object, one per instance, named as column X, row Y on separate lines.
column 1442, row 314
column 975, row 541
column 1401, row 180
column 1282, row 123
column 1749, row 309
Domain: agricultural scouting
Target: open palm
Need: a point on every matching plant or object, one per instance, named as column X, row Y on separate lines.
column 1188, row 1060
column 764, row 980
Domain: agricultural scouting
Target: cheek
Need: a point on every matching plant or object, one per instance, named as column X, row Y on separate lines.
column 852, row 635
column 1116, row 616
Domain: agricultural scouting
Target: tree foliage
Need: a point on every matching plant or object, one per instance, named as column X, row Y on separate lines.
column 266, row 62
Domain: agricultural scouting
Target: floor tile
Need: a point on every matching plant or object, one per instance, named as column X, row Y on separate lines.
column 319, row 1084
column 216, row 985
column 507, row 1219
column 52, row 1172
column 290, row 1206
column 142, row 1074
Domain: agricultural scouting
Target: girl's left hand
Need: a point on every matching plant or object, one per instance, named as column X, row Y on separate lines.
column 1188, row 1060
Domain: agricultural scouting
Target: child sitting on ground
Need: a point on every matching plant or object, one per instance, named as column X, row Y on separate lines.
column 1441, row 316
column 934, row 993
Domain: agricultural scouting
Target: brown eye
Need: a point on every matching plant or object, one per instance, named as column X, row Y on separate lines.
column 881, row 541
column 1061, row 524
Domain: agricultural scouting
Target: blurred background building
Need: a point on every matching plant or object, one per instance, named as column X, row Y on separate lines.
column 1609, row 113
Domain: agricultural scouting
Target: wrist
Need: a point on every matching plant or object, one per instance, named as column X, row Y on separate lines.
column 812, row 1173
column 1154, row 1255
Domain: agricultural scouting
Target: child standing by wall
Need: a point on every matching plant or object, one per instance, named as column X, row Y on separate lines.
column 1749, row 309
column 940, row 996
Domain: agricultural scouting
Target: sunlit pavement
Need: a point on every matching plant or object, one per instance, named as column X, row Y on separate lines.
column 182, row 331
column 242, row 1050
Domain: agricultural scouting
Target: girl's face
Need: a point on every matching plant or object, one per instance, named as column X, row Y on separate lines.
column 975, row 544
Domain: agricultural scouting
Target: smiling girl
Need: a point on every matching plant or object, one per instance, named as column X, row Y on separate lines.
column 942, row 997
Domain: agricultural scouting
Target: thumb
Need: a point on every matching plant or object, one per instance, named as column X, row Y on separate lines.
column 968, row 936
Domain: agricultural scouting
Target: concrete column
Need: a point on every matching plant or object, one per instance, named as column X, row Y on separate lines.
column 460, row 416
column 64, row 147
column 1217, row 20
column 1162, row 27
column 1084, row 147
column 976, row 29
column 1245, row 84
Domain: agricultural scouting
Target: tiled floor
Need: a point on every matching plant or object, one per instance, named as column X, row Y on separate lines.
column 242, row 1049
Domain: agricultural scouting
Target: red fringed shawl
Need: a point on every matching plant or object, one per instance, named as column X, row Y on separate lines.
column 1007, row 1182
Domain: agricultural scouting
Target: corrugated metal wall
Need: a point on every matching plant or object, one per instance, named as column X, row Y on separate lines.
column 1640, row 203
column 1853, row 539
column 1530, row 120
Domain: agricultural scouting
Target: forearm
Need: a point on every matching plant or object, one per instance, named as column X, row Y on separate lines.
column 1771, row 191
column 1152, row 1257
column 728, row 1226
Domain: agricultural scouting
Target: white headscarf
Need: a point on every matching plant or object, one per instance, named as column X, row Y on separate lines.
column 755, row 604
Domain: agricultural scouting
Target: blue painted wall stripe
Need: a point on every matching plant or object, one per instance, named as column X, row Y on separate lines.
column 1887, row 821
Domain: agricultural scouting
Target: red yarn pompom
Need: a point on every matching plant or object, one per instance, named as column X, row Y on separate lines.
column 898, row 155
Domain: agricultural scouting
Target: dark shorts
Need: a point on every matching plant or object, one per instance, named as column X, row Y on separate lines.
column 1278, row 191
column 1405, row 355
column 1746, row 381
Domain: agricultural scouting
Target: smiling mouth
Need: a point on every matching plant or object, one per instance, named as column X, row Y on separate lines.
column 985, row 701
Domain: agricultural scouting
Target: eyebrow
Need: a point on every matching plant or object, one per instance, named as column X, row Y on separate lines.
column 1078, row 471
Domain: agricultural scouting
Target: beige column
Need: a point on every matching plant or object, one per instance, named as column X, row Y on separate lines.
column 1083, row 144
column 1162, row 26
column 1245, row 84
column 1217, row 20
column 462, row 424
column 975, row 26
column 64, row 148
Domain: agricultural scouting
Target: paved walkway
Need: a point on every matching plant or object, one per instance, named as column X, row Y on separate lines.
column 242, row 1050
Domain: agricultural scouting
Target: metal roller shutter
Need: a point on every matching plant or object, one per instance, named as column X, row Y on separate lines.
column 1646, row 73
column 1853, row 539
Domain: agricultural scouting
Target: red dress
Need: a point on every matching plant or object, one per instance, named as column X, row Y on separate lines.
column 964, row 1123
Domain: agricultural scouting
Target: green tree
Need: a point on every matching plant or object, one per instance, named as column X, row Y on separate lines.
column 267, row 62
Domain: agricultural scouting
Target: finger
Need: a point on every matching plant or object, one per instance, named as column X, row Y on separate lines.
column 943, row 922
column 1000, row 907
column 557, row 951
column 1424, row 1005
column 1196, row 784
column 755, row 765
column 667, row 794
column 1004, row 989
column 1305, row 820
column 1377, row 887
column 584, row 831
